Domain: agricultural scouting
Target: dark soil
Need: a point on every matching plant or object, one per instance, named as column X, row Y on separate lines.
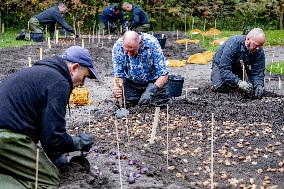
column 248, row 134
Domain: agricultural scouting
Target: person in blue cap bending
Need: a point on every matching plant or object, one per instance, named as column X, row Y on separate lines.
column 33, row 110
column 227, row 69
column 109, row 17
column 139, row 63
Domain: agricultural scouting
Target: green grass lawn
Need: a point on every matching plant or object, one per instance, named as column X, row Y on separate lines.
column 273, row 38
column 8, row 39
column 277, row 67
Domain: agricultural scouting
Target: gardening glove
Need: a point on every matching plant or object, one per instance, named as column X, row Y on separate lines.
column 258, row 92
column 147, row 96
column 245, row 86
column 83, row 142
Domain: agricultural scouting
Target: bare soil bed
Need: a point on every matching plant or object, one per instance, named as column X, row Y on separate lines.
column 248, row 134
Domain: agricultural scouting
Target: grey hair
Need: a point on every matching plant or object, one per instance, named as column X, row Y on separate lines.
column 62, row 5
column 255, row 32
column 125, row 4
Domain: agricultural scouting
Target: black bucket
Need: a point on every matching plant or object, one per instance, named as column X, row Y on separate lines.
column 175, row 85
column 37, row 37
column 162, row 39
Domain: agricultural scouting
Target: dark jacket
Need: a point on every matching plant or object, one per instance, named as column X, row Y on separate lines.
column 50, row 17
column 226, row 66
column 33, row 103
column 139, row 16
column 109, row 16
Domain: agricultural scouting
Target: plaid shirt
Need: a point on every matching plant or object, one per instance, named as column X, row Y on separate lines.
column 147, row 66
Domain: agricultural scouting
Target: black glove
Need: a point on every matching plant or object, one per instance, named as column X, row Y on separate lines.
column 147, row 96
column 83, row 142
column 258, row 92
column 245, row 86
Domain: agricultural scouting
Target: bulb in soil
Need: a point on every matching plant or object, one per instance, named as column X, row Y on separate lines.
column 132, row 162
column 114, row 170
column 144, row 170
column 131, row 180
column 113, row 153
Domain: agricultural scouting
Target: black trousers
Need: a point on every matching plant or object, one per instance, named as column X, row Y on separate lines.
column 133, row 91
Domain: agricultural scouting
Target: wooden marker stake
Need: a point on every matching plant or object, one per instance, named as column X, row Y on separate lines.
column 186, row 45
column 177, row 34
column 155, row 124
column 167, row 136
column 243, row 68
column 93, row 36
column 118, row 152
column 46, row 33
column 2, row 28
column 30, row 61
column 37, row 163
column 89, row 116
column 279, row 83
column 89, row 39
column 48, row 42
column 212, row 152
column 83, row 43
column 40, row 54
column 56, row 36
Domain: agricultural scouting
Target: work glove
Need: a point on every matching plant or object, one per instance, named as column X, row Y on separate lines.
column 245, row 86
column 258, row 92
column 147, row 96
column 83, row 142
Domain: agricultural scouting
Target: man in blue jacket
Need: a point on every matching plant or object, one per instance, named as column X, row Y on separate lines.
column 49, row 18
column 139, row 20
column 227, row 69
column 33, row 110
column 109, row 17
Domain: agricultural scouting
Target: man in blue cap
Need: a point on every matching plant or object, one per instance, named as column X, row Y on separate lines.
column 33, row 110
column 139, row 20
column 109, row 17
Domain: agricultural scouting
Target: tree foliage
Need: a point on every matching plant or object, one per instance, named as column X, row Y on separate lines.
column 164, row 14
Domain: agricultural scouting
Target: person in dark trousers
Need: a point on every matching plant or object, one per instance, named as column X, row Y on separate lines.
column 227, row 69
column 140, row 66
column 139, row 21
column 50, row 17
column 33, row 110
column 109, row 17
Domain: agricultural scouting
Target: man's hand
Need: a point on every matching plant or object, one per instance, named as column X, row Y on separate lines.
column 117, row 92
column 245, row 86
column 258, row 92
column 83, row 142
column 147, row 96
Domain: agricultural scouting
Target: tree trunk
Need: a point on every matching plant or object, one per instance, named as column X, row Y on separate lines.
column 281, row 16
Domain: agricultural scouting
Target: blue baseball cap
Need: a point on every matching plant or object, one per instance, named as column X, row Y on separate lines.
column 77, row 54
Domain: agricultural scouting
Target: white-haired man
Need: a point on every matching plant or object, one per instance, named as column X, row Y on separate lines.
column 139, row 63
column 227, row 69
